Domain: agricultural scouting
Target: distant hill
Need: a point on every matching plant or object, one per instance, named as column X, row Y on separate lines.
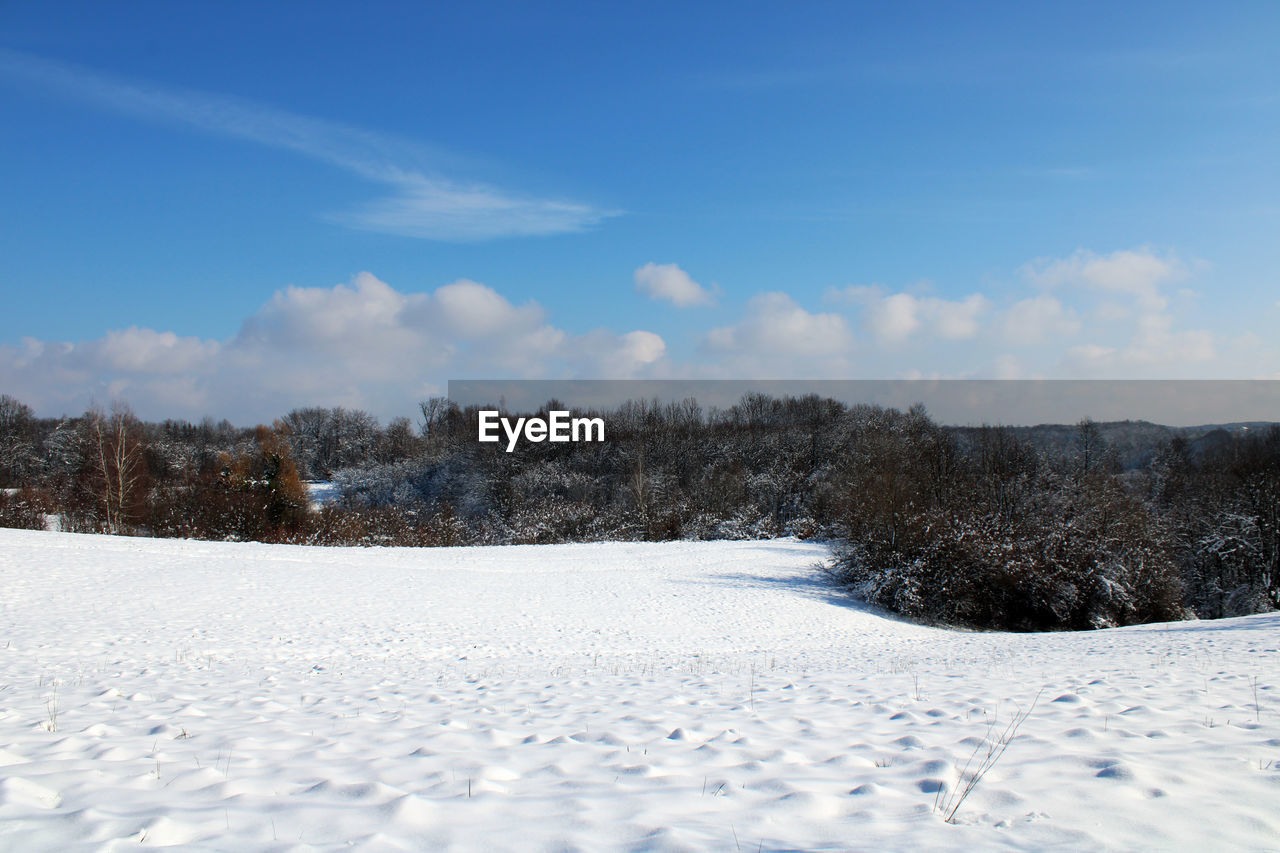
column 1134, row 443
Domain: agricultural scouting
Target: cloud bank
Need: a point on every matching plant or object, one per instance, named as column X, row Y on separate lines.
column 1086, row 315
column 361, row 345
column 365, row 344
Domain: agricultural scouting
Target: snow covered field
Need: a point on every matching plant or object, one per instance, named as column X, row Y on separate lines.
column 591, row 697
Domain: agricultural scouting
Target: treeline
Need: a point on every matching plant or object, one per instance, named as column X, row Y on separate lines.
column 976, row 527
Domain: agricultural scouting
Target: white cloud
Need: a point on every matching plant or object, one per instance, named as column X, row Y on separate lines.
column 1155, row 349
column 641, row 347
column 1039, row 320
column 436, row 209
column 604, row 355
column 958, row 321
column 1007, row 366
column 348, row 318
column 474, row 310
column 898, row 316
column 423, row 203
column 669, row 282
column 894, row 317
column 366, row 344
column 147, row 351
column 1095, row 314
column 1126, row 293
column 1156, row 342
column 1092, row 355
column 363, row 344
column 775, row 325
column 1139, row 273
column 1111, row 312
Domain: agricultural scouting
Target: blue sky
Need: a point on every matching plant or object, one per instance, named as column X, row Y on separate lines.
column 233, row 209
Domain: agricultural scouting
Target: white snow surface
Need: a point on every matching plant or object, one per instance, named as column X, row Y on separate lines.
column 618, row 696
column 321, row 493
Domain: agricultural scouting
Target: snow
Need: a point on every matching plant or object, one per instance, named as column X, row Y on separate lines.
column 321, row 493
column 619, row 696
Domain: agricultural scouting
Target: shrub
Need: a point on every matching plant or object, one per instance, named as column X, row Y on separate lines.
column 1081, row 555
column 23, row 508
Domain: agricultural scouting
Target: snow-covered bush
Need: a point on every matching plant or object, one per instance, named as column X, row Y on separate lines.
column 23, row 508
column 996, row 540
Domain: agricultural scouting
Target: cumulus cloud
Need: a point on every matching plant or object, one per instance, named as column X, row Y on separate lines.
column 1118, row 314
column 775, row 326
column 1140, row 273
column 898, row 316
column 422, row 202
column 363, row 344
column 1155, row 348
column 1039, row 320
column 604, row 355
column 957, row 321
column 1156, row 341
column 669, row 282
column 369, row 345
column 895, row 317
column 1126, row 293
column 642, row 347
column 148, row 351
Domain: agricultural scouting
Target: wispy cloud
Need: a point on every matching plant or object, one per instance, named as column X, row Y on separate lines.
column 422, row 203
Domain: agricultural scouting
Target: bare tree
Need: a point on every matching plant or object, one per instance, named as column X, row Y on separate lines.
column 435, row 414
column 1090, row 439
column 116, row 464
column 18, row 458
